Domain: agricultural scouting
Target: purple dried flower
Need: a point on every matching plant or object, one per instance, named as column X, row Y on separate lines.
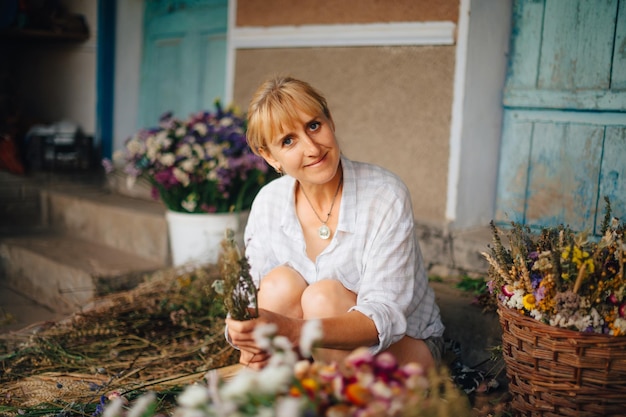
column 107, row 164
column 166, row 178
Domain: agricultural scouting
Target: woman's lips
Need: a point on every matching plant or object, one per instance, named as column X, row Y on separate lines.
column 317, row 162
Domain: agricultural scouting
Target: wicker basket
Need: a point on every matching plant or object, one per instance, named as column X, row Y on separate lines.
column 559, row 372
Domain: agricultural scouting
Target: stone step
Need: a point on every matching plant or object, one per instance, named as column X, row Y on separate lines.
column 128, row 224
column 64, row 272
column 19, row 204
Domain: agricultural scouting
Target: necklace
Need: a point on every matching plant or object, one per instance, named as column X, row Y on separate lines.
column 324, row 231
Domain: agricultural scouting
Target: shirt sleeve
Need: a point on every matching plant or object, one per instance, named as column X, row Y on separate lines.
column 392, row 270
column 255, row 251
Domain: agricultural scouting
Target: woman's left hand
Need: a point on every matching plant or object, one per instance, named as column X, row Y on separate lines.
column 242, row 332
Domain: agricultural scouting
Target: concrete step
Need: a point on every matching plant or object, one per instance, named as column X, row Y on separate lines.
column 19, row 204
column 132, row 225
column 64, row 272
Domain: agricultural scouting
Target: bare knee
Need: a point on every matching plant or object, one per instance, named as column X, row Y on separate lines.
column 280, row 291
column 326, row 298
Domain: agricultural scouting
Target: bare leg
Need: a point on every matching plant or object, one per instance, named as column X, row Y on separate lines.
column 327, row 298
column 280, row 291
column 408, row 350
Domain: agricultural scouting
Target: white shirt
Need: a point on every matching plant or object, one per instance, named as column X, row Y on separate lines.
column 374, row 252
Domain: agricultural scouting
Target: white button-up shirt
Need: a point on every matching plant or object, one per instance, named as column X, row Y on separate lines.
column 374, row 252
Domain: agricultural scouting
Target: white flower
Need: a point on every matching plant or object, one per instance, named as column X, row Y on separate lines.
column 275, row 379
column 620, row 324
column 381, row 390
column 181, row 176
column 141, row 405
column 301, row 368
column 193, row 396
column 263, row 334
column 516, row 300
column 282, row 358
column 536, row 314
column 114, row 408
column 167, row 159
column 161, row 138
column 180, row 132
column 281, row 344
column 189, row 203
column 222, row 161
column 135, row 146
column 265, row 411
column 226, row 121
column 198, row 150
column 184, row 150
column 241, row 384
column 218, row 286
column 152, row 148
column 189, row 165
column 311, row 333
column 288, row 407
column 118, row 157
column 200, row 128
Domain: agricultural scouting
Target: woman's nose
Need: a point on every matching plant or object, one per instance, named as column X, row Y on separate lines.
column 310, row 145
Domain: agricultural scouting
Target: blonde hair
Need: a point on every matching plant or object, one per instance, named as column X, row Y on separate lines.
column 274, row 108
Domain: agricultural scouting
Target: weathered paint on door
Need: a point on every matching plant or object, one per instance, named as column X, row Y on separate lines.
column 184, row 57
column 564, row 132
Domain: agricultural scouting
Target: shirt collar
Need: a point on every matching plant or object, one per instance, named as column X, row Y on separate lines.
column 347, row 209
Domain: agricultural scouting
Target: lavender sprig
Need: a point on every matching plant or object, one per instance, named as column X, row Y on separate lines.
column 237, row 287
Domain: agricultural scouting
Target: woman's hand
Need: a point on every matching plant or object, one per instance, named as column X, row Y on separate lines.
column 242, row 335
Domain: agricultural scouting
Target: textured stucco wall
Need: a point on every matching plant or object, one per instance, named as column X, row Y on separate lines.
column 391, row 106
column 307, row 12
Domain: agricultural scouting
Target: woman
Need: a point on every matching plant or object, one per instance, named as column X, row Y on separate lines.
column 332, row 239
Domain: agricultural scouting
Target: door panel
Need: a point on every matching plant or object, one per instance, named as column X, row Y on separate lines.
column 563, row 145
column 184, row 57
column 577, row 45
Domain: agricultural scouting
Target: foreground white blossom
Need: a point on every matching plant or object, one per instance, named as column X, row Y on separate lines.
column 262, row 335
column 193, row 396
column 311, row 333
column 141, row 405
column 114, row 408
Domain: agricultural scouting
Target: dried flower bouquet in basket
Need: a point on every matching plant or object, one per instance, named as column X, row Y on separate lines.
column 563, row 278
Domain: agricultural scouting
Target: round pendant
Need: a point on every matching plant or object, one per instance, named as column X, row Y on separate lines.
column 323, row 232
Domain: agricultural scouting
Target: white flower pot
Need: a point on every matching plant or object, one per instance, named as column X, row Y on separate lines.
column 196, row 238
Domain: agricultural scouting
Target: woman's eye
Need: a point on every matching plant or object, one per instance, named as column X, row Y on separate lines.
column 313, row 126
column 287, row 141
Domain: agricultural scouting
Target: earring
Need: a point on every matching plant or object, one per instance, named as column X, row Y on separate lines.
column 278, row 170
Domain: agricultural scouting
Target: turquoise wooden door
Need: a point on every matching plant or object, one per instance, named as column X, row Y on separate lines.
column 564, row 133
column 183, row 66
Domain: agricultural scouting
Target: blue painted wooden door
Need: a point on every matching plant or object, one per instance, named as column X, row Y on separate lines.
column 183, row 66
column 564, row 133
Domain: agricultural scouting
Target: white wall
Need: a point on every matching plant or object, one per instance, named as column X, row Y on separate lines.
column 475, row 142
column 128, row 48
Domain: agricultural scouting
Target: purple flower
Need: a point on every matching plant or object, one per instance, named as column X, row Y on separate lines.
column 535, row 279
column 107, row 165
column 166, row 178
column 234, row 186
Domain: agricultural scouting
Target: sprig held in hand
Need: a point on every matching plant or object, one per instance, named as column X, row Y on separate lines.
column 237, row 287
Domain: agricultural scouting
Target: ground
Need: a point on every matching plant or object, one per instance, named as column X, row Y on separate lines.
column 163, row 335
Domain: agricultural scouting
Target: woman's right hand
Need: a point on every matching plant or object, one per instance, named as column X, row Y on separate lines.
column 255, row 361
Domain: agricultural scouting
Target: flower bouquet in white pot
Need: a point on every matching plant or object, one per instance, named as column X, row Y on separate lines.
column 198, row 166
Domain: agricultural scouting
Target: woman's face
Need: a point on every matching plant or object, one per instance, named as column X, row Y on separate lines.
column 308, row 151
